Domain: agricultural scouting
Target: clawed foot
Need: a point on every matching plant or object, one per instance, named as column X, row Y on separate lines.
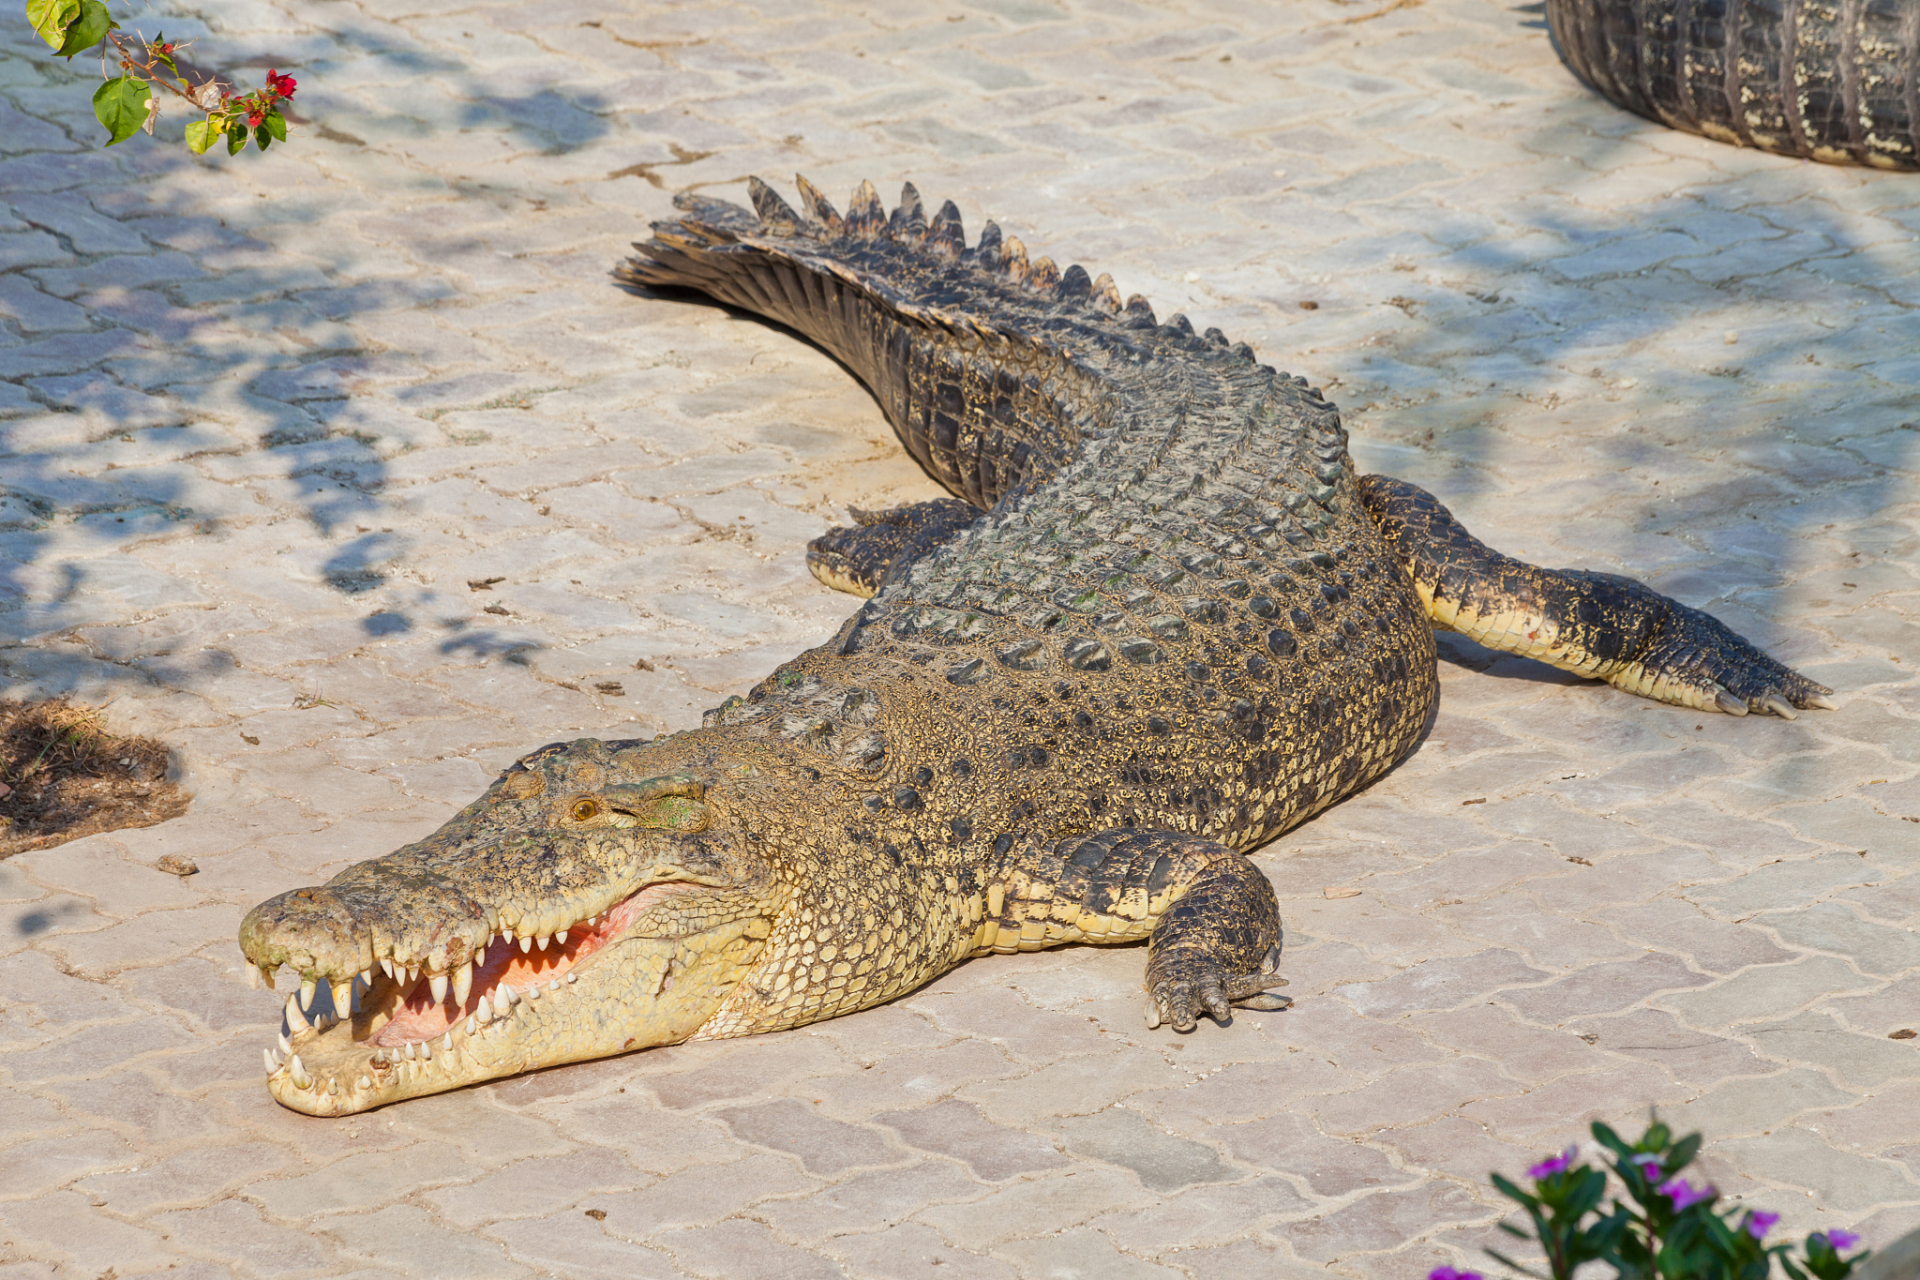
column 1188, row 986
column 1699, row 661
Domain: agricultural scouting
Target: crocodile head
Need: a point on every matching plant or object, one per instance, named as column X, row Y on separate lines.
column 599, row 897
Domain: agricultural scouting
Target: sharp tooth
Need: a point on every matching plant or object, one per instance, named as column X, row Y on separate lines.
column 253, row 974
column 507, row 936
column 526, row 944
column 533, row 992
column 366, row 978
column 541, row 941
column 483, row 1011
column 571, row 979
column 437, row 983
column 561, row 937
column 364, row 1083
column 446, row 1041
column 386, row 966
column 296, row 1021
column 470, row 1026
column 307, row 987
column 343, row 997
column 463, row 983
column 333, row 1087
column 426, row 1052
column 284, row 1046
column 266, row 976
column 554, row 985
column 506, row 996
column 297, row 1072
column 273, row 1064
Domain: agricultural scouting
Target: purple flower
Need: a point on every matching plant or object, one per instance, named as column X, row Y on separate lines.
column 1758, row 1223
column 1448, row 1273
column 1554, row 1164
column 1682, row 1193
column 1842, row 1240
column 1649, row 1164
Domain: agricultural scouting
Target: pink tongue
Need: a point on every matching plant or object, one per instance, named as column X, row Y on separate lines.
column 419, row 1018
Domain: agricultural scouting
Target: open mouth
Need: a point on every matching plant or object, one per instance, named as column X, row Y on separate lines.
column 394, row 1031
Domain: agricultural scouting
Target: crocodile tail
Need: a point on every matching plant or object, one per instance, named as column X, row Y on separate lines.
column 923, row 319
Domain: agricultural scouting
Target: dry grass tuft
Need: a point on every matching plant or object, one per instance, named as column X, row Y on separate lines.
column 65, row 776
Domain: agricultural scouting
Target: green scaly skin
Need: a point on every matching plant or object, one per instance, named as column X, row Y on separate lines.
column 1161, row 621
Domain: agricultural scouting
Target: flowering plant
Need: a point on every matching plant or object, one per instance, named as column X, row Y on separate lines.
column 1664, row 1229
column 125, row 105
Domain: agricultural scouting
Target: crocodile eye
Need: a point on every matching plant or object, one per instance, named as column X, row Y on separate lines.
column 584, row 809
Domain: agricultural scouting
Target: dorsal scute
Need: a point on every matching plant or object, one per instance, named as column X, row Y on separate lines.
column 946, row 234
column 1075, row 284
column 989, row 250
column 775, row 214
column 1043, row 276
column 865, row 214
column 909, row 221
column 818, row 207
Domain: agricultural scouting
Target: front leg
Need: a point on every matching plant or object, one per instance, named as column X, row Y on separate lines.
column 1593, row 624
column 1210, row 917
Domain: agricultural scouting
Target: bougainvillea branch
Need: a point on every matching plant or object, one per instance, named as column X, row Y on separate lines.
column 1664, row 1229
column 125, row 104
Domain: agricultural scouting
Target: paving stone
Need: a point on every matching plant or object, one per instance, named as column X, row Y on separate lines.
column 1841, row 1179
column 1441, row 984
column 1657, row 1036
column 233, row 1231
column 1603, row 988
column 351, row 396
column 1039, row 1205
column 361, row 1180
column 198, row 1175
column 687, row 1198
column 1290, row 1142
column 1164, row 1163
column 909, row 1250
column 822, row 1145
column 958, row 1130
column 1766, row 991
column 1082, row 1251
column 740, row 1248
column 535, row 1187
column 404, row 1237
column 61, row 1228
column 1746, row 1106
column 1380, row 1221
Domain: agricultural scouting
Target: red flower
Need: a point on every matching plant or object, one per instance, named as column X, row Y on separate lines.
column 254, row 118
column 279, row 85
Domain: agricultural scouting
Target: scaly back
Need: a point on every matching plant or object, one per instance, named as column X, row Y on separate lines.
column 1174, row 612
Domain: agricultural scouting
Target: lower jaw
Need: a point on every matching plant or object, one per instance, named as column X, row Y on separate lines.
column 619, row 1002
column 329, row 1073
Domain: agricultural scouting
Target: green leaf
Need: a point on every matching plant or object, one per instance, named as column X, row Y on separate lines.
column 236, row 139
column 276, row 124
column 202, row 133
column 88, row 30
column 261, row 136
column 121, row 105
column 51, row 18
column 1682, row 1154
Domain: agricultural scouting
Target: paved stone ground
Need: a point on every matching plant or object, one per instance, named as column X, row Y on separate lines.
column 267, row 418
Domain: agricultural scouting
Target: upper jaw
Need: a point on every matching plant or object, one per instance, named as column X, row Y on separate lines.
column 406, row 1035
column 428, row 969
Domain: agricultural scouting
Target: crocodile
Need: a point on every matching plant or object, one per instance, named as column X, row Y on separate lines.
column 1160, row 621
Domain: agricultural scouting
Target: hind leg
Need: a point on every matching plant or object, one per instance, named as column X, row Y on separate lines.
column 1593, row 624
column 857, row 560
